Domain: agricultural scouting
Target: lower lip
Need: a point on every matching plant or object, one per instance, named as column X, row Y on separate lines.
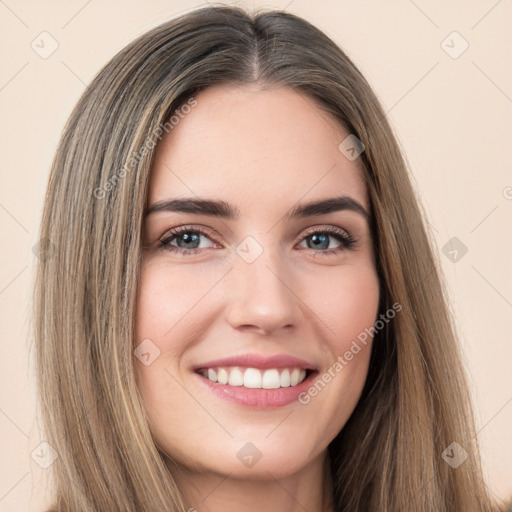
column 258, row 398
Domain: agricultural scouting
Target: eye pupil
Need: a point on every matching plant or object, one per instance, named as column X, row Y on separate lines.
column 187, row 238
column 320, row 240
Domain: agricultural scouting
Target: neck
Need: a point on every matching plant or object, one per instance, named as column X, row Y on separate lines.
column 309, row 489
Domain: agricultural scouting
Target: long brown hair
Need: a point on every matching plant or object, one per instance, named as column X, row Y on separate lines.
column 415, row 404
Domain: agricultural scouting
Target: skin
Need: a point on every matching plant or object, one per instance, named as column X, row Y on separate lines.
column 263, row 150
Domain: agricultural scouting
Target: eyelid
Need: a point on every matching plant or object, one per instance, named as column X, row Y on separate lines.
column 210, row 233
column 188, row 228
column 324, row 229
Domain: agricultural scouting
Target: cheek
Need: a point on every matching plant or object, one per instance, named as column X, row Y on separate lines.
column 164, row 296
column 347, row 305
column 169, row 300
column 348, row 308
column 168, row 313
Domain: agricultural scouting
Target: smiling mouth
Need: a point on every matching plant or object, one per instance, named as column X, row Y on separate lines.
column 254, row 378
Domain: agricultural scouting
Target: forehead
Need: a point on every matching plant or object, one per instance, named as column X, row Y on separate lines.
column 255, row 147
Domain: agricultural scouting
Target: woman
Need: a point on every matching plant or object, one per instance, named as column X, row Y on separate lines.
column 242, row 308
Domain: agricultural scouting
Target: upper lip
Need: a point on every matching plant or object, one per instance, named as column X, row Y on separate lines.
column 258, row 361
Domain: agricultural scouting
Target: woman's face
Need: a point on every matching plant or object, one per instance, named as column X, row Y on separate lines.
column 257, row 291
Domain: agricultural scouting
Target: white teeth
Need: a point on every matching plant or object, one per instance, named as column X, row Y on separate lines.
column 236, row 377
column 271, row 380
column 294, row 377
column 254, row 379
column 285, row 378
column 222, row 376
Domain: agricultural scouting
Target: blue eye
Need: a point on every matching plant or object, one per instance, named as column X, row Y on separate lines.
column 321, row 239
column 188, row 240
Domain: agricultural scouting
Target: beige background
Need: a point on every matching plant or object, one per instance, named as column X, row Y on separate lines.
column 451, row 115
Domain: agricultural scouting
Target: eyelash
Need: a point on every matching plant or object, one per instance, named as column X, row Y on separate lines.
column 346, row 240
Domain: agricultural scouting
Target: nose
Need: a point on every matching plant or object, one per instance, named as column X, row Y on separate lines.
column 260, row 295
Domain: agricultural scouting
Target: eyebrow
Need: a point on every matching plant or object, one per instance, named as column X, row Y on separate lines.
column 229, row 212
